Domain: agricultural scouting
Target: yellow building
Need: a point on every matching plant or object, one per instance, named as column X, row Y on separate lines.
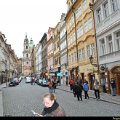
column 56, row 44
column 81, row 41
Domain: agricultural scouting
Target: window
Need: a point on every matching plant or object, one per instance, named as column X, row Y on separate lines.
column 99, row 17
column 73, row 36
column 70, row 40
column 81, row 54
column 88, row 51
column 106, row 9
column 84, row 5
column 92, row 49
column 78, row 12
column 102, row 46
column 26, row 47
column 63, row 45
column 118, row 40
column 27, row 55
column 88, row 25
column 75, row 56
column 110, row 44
column 114, row 5
column 79, row 32
column 71, row 21
column 73, row 1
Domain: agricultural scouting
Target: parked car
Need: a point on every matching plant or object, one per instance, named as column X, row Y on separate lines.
column 44, row 83
column 39, row 82
column 28, row 80
column 20, row 79
column 14, row 82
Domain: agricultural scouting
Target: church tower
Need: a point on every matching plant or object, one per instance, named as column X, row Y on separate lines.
column 27, row 65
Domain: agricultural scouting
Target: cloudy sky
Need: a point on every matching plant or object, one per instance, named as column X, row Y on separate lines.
column 34, row 17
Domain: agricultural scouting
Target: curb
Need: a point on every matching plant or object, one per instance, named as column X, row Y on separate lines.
column 91, row 97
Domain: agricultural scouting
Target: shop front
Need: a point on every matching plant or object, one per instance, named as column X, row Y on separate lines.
column 115, row 73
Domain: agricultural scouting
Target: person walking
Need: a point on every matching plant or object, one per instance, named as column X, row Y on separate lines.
column 50, row 86
column 53, row 86
column 96, row 89
column 86, row 88
column 78, row 91
column 70, row 83
column 113, row 85
column 73, row 88
column 52, row 107
column 32, row 80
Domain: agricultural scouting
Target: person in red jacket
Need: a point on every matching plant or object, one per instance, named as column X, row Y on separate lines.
column 71, row 83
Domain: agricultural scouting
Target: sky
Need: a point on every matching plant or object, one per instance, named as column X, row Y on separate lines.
column 31, row 17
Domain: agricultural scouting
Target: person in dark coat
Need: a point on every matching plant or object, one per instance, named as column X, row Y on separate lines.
column 52, row 107
column 113, row 85
column 78, row 91
column 73, row 87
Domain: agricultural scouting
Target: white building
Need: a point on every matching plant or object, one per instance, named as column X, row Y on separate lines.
column 38, row 59
column 107, row 24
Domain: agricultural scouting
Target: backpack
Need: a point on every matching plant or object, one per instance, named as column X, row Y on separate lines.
column 85, row 87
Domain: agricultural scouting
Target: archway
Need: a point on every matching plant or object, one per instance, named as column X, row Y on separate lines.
column 116, row 74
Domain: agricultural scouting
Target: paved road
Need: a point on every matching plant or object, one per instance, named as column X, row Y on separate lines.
column 20, row 100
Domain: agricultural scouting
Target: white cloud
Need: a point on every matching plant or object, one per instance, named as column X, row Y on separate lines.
column 31, row 16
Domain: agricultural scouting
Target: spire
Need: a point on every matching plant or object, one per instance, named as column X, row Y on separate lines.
column 26, row 36
column 26, row 39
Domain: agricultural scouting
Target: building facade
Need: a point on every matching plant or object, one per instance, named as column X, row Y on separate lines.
column 8, row 60
column 38, row 59
column 107, row 22
column 81, row 41
column 50, row 49
column 27, row 61
column 44, row 71
column 63, row 50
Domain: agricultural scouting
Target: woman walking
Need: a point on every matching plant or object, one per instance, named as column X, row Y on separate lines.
column 96, row 89
column 86, row 88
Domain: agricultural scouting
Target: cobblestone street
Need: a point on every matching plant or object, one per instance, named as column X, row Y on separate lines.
column 20, row 100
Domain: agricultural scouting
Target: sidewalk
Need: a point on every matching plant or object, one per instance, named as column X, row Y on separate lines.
column 103, row 96
column 1, row 100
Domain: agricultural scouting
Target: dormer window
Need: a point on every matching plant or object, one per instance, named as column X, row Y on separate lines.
column 26, row 47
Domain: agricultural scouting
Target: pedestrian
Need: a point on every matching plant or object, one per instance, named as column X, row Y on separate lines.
column 73, row 88
column 32, row 81
column 53, row 86
column 96, row 89
column 104, row 85
column 52, row 107
column 86, row 88
column 113, row 85
column 78, row 91
column 70, row 83
column 50, row 86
